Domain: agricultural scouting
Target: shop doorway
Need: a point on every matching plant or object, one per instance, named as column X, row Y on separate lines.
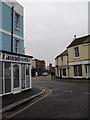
column 87, row 67
column 16, row 77
column 60, row 73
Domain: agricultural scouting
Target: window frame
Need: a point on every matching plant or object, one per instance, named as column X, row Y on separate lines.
column 62, row 59
column 63, row 72
column 17, row 21
column 77, row 74
column 76, row 52
column 16, row 46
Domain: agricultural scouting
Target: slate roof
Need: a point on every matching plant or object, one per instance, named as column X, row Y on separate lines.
column 81, row 40
column 62, row 54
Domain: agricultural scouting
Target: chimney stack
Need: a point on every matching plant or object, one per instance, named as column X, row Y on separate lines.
column 74, row 38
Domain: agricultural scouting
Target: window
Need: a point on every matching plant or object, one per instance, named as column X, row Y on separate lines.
column 16, row 46
column 16, row 21
column 76, row 52
column 1, row 77
column 86, row 69
column 61, row 59
column 7, row 76
column 64, row 71
column 27, row 76
column 23, row 75
column 0, row 56
column 78, row 70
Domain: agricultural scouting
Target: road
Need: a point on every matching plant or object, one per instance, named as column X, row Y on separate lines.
column 67, row 100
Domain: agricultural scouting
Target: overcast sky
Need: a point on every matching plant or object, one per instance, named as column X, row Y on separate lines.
column 50, row 26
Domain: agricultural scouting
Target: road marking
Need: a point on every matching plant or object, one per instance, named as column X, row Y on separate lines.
column 65, row 91
column 86, row 93
column 68, row 91
column 19, row 111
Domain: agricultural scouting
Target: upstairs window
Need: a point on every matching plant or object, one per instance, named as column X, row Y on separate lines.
column 16, row 46
column 16, row 21
column 61, row 59
column 76, row 52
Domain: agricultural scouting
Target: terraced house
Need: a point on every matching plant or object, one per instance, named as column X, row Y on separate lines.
column 77, row 59
column 15, row 66
column 62, row 65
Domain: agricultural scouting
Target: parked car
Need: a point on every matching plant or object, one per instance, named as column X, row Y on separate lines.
column 45, row 74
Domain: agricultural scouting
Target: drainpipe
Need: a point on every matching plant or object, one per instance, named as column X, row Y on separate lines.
column 12, row 30
column 68, row 65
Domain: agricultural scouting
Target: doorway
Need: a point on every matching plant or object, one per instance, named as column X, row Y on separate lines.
column 16, row 77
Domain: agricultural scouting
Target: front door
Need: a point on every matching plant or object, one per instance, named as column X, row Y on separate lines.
column 87, row 71
column 60, row 73
column 16, row 78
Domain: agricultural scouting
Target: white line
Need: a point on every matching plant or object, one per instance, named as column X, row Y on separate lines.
column 21, row 110
column 86, row 93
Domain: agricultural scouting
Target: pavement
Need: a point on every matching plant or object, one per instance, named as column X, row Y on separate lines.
column 13, row 100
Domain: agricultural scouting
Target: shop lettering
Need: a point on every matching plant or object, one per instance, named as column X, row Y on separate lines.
column 14, row 58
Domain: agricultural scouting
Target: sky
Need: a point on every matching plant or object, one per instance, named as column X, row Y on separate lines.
column 49, row 26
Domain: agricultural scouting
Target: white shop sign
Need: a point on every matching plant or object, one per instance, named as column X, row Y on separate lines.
column 14, row 58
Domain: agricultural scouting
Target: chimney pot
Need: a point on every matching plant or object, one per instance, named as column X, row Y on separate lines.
column 74, row 37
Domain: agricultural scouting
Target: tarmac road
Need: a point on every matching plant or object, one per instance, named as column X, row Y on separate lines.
column 66, row 100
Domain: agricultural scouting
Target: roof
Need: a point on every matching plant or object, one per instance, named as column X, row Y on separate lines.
column 62, row 54
column 80, row 40
column 39, row 60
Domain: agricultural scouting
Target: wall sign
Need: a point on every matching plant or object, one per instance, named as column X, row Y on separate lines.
column 16, row 58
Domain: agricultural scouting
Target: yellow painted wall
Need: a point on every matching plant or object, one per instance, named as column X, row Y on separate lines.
column 64, row 61
column 56, row 61
column 71, row 71
column 67, row 72
column 60, row 64
column 83, row 71
column 83, row 53
column 89, row 51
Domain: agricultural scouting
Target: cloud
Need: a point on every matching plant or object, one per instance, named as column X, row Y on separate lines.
column 49, row 27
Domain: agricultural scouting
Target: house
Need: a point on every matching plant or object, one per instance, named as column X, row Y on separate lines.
column 79, row 57
column 51, row 68
column 38, row 67
column 76, row 61
column 15, row 66
column 62, row 65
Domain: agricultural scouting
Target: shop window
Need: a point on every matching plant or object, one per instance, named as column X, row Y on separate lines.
column 16, row 46
column 78, row 70
column 89, row 69
column 7, row 77
column 64, row 71
column 86, row 69
column 1, row 77
column 27, row 76
column 17, row 17
column 0, row 56
column 76, row 52
column 23, row 75
column 16, row 76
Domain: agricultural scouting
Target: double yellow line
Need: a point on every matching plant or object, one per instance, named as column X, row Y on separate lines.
column 26, row 107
